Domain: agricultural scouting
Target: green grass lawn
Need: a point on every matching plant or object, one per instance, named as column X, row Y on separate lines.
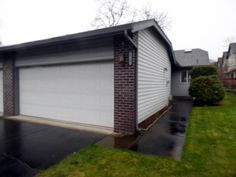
column 210, row 150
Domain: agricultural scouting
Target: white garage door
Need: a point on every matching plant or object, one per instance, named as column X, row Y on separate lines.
column 1, row 91
column 77, row 93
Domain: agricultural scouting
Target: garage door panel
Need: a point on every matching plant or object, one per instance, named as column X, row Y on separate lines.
column 77, row 93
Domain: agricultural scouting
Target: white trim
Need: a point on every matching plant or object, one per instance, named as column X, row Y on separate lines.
column 187, row 77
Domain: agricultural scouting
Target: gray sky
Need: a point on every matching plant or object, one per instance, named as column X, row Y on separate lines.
column 195, row 23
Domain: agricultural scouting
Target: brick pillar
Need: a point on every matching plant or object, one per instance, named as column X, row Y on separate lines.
column 9, row 85
column 125, row 87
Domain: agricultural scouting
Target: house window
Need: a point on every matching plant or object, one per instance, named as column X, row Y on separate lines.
column 232, row 76
column 185, row 76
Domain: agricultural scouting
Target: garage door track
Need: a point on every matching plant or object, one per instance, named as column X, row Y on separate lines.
column 27, row 148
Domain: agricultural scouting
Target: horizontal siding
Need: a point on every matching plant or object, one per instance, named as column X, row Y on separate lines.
column 153, row 79
column 80, row 55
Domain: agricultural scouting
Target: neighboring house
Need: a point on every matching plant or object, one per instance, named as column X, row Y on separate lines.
column 222, row 64
column 113, row 78
column 227, row 67
column 181, row 75
column 225, row 62
column 231, row 64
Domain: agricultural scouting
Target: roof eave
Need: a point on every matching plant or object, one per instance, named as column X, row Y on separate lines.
column 83, row 35
column 104, row 32
column 152, row 23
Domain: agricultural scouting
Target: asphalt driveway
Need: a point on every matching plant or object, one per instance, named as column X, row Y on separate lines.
column 26, row 148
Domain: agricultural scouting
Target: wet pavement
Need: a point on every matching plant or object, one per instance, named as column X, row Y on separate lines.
column 167, row 136
column 27, row 148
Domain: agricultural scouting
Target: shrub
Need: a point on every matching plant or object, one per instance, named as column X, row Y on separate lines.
column 206, row 70
column 207, row 89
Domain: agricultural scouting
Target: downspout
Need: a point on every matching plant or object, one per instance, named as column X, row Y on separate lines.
column 130, row 39
column 136, row 67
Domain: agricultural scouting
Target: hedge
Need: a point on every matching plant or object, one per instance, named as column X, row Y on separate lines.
column 206, row 70
column 207, row 89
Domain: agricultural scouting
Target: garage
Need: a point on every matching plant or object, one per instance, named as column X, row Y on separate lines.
column 81, row 93
column 110, row 79
column 1, row 91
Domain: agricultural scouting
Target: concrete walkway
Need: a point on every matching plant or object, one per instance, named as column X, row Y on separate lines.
column 167, row 136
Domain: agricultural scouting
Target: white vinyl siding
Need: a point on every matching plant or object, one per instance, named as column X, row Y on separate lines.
column 154, row 71
column 82, row 93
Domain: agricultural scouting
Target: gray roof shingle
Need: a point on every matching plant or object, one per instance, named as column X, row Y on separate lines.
column 232, row 48
column 188, row 58
column 224, row 56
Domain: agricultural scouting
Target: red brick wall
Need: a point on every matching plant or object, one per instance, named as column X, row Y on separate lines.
column 125, row 87
column 9, row 85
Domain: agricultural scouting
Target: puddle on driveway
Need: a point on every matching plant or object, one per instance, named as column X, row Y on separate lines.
column 165, row 138
column 125, row 142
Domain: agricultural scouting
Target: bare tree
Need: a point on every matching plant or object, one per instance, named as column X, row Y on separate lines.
column 229, row 40
column 115, row 12
column 162, row 18
column 111, row 13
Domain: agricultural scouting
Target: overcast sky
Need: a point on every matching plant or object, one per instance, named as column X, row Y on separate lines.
column 195, row 23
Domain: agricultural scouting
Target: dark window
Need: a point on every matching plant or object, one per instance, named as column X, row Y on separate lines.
column 184, row 76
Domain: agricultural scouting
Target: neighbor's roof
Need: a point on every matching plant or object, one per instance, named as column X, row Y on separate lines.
column 224, row 56
column 193, row 57
column 232, row 49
